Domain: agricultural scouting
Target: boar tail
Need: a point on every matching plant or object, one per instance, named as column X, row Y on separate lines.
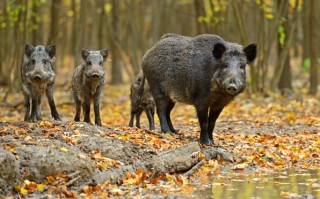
column 141, row 88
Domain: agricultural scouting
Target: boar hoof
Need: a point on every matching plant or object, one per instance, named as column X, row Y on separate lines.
column 207, row 142
column 33, row 119
column 58, row 118
column 151, row 127
column 99, row 123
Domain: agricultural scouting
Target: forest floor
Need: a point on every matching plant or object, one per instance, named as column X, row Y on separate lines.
column 67, row 159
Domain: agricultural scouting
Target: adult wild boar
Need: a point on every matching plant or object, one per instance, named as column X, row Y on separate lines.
column 37, row 74
column 205, row 71
column 88, row 83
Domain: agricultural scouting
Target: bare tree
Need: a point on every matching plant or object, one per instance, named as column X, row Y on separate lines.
column 116, row 56
column 202, row 26
column 313, row 47
column 54, row 25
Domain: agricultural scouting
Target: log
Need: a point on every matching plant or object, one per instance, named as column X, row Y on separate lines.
column 40, row 154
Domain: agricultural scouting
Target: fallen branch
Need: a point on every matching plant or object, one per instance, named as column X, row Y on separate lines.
column 194, row 169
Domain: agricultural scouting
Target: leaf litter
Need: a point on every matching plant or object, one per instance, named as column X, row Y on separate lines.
column 264, row 134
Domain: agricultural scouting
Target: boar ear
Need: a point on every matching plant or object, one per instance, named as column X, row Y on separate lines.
column 104, row 53
column 51, row 50
column 29, row 49
column 85, row 53
column 218, row 50
column 251, row 52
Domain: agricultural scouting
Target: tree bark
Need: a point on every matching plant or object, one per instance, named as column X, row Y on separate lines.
column 305, row 22
column 313, row 44
column 54, row 25
column 202, row 26
column 286, row 46
column 285, row 77
column 37, row 33
column 116, row 56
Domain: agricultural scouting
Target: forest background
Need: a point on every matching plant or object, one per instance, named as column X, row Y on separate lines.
column 273, row 125
column 285, row 32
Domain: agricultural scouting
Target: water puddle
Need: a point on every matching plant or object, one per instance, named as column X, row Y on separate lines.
column 288, row 183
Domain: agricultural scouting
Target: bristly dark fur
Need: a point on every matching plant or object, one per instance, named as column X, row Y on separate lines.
column 205, row 71
column 38, row 75
column 87, row 84
column 141, row 100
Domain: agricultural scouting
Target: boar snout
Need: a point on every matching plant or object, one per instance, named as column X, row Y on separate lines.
column 232, row 89
column 37, row 78
column 95, row 76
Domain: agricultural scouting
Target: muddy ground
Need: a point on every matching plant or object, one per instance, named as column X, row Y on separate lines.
column 36, row 151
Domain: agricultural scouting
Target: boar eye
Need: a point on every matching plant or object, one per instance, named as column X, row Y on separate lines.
column 100, row 63
column 89, row 62
column 33, row 61
column 242, row 66
column 224, row 65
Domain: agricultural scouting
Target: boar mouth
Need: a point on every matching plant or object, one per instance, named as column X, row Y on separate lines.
column 233, row 89
column 94, row 76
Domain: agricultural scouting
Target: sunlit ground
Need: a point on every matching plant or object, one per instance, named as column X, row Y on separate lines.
column 267, row 153
column 115, row 108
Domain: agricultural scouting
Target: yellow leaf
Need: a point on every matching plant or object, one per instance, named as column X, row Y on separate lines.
column 250, row 158
column 23, row 191
column 63, row 149
column 41, row 187
column 269, row 16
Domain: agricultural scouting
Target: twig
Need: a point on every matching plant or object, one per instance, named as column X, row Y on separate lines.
column 72, row 181
column 73, row 174
column 155, row 133
column 193, row 169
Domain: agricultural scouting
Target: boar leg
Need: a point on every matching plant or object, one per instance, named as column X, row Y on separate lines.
column 38, row 115
column 168, row 110
column 138, row 114
column 54, row 112
column 131, row 119
column 86, row 110
column 34, row 107
column 78, row 108
column 26, row 107
column 202, row 113
column 213, row 116
column 162, row 103
column 96, row 108
column 150, row 118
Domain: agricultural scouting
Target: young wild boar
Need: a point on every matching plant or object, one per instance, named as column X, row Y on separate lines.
column 37, row 75
column 141, row 100
column 87, row 84
column 204, row 71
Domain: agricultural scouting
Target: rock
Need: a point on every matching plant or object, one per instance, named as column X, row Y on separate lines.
column 41, row 162
column 9, row 172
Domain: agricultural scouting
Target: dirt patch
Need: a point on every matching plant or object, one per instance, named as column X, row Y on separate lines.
column 81, row 153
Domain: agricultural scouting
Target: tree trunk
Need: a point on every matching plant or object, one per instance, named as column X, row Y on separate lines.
column 305, row 22
column 75, row 33
column 116, row 56
column 284, row 53
column 202, row 26
column 37, row 32
column 100, row 32
column 313, row 44
column 285, row 77
column 54, row 25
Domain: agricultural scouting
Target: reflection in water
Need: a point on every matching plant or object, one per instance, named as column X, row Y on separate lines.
column 284, row 184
